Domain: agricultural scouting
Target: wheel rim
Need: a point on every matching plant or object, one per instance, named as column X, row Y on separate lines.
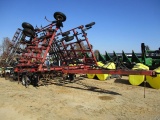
column 25, row 80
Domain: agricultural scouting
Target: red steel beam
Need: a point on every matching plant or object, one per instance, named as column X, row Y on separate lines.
column 48, row 48
column 119, row 72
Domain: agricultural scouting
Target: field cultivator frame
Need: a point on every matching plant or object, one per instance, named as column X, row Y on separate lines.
column 49, row 51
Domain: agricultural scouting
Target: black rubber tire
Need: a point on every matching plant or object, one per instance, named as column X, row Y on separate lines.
column 18, row 51
column 66, row 33
column 59, row 16
column 34, row 80
column 72, row 76
column 90, row 24
column 45, row 45
column 51, row 52
column 69, row 38
column 27, row 25
column 7, row 76
column 28, row 32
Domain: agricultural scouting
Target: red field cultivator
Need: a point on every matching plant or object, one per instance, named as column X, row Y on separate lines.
column 48, row 51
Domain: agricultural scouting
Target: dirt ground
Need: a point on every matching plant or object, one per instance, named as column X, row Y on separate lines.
column 85, row 99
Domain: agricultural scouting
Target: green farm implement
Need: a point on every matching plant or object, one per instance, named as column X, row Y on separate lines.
column 146, row 60
column 150, row 58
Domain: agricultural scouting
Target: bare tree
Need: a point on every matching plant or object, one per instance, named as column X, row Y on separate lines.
column 79, row 46
column 96, row 53
column 0, row 49
column 5, row 48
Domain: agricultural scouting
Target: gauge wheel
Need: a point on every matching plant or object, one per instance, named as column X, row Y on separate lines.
column 66, row 33
column 28, row 32
column 59, row 16
column 27, row 25
column 90, row 24
column 69, row 38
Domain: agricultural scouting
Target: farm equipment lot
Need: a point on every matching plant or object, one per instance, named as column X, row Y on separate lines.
column 83, row 100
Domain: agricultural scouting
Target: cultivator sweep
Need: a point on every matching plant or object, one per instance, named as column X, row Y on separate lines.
column 46, row 52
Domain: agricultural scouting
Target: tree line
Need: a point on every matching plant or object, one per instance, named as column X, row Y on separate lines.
column 5, row 49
